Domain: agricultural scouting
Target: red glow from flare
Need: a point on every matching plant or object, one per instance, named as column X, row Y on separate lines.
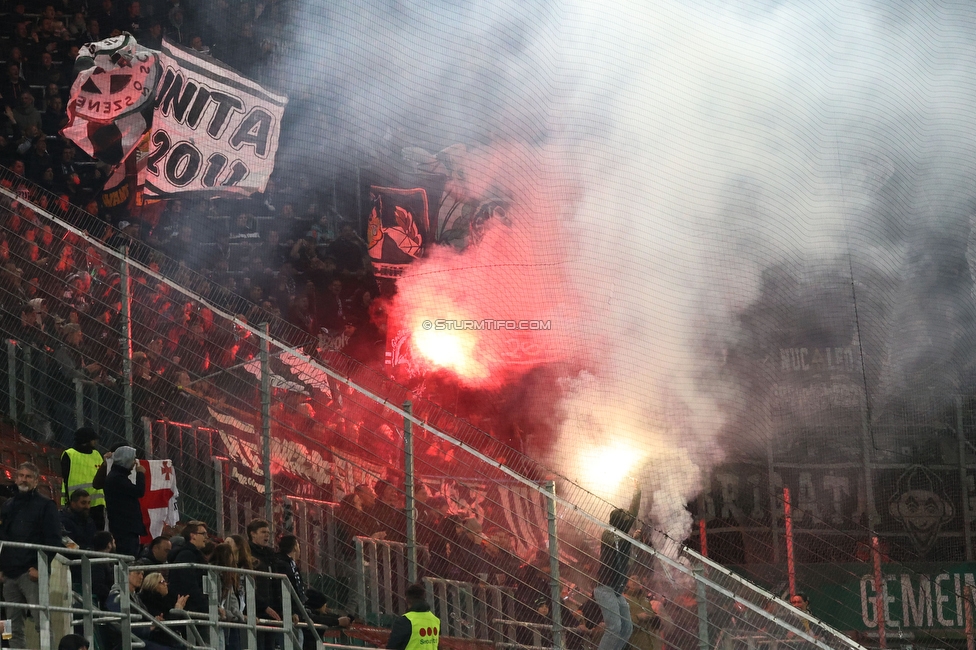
column 452, row 350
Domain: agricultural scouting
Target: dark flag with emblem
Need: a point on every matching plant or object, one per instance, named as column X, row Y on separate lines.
column 398, row 228
column 111, row 99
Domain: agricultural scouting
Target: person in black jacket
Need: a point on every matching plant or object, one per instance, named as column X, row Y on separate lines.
column 103, row 574
column 28, row 517
column 259, row 540
column 612, row 576
column 317, row 606
column 286, row 562
column 189, row 582
column 122, row 501
column 78, row 526
column 76, row 520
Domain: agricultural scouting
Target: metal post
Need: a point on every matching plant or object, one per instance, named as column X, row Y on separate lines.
column 359, row 198
column 879, row 588
column 28, row 378
column 699, row 570
column 147, row 438
column 409, row 505
column 122, row 579
column 211, row 587
column 967, row 520
column 703, row 537
column 12, row 378
column 360, row 579
column 86, row 596
column 125, row 341
column 250, row 605
column 788, row 520
column 967, row 603
column 219, row 493
column 286, row 619
column 554, row 586
column 44, row 596
column 771, row 486
column 266, row 425
column 872, row 511
column 79, row 403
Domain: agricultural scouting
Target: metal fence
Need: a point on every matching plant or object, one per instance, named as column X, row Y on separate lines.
column 202, row 629
column 267, row 422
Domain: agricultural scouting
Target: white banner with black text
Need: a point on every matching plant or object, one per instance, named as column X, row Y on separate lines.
column 214, row 131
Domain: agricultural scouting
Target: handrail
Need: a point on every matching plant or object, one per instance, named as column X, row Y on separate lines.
column 290, row 600
column 285, row 581
column 65, row 549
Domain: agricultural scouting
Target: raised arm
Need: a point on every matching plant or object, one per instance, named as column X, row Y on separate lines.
column 636, row 501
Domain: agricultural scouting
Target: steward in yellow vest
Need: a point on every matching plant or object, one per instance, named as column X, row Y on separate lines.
column 79, row 464
column 418, row 629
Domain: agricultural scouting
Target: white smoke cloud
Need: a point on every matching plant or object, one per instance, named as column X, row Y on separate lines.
column 704, row 143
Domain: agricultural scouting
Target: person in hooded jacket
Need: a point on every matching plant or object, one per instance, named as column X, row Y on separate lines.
column 612, row 576
column 122, row 501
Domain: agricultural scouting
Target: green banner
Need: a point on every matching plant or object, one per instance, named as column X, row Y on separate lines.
column 919, row 599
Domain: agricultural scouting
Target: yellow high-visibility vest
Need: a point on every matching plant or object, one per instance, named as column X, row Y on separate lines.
column 426, row 631
column 81, row 475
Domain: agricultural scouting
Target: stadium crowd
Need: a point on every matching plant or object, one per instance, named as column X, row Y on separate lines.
column 284, row 255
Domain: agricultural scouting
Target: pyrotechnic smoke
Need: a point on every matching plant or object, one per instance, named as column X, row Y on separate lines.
column 683, row 149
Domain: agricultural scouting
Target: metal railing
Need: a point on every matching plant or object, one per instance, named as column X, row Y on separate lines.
column 203, row 628
column 472, row 611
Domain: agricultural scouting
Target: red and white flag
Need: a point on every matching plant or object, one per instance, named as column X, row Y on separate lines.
column 159, row 504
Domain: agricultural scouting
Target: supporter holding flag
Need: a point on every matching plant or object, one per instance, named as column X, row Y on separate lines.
column 79, row 464
column 122, row 501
